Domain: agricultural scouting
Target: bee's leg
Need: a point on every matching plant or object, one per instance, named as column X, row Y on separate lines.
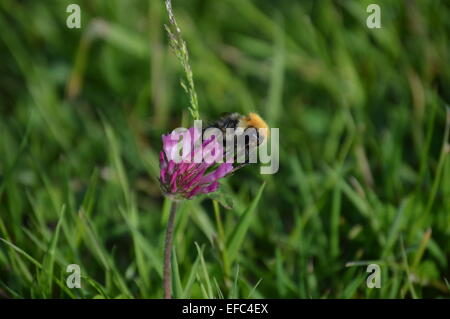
column 238, row 167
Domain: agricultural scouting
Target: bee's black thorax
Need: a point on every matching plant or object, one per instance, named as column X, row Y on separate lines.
column 228, row 121
column 251, row 136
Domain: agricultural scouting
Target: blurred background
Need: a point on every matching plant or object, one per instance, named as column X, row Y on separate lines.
column 364, row 149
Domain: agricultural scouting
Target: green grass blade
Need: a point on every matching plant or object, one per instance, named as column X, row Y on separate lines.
column 191, row 278
column 178, row 288
column 236, row 239
column 209, row 291
column 45, row 277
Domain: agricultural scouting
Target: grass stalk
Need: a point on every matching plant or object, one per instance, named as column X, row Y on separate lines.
column 167, row 251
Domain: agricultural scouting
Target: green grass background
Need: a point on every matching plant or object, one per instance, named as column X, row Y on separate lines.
column 364, row 149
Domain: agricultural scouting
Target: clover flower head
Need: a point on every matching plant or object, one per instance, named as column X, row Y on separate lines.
column 183, row 177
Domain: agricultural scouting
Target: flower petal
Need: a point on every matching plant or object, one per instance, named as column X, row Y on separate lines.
column 203, row 189
column 220, row 172
column 162, row 167
column 170, row 142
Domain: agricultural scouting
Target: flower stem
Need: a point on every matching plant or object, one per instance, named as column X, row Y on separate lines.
column 168, row 250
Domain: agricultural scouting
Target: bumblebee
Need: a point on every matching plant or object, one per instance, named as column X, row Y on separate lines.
column 253, row 127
